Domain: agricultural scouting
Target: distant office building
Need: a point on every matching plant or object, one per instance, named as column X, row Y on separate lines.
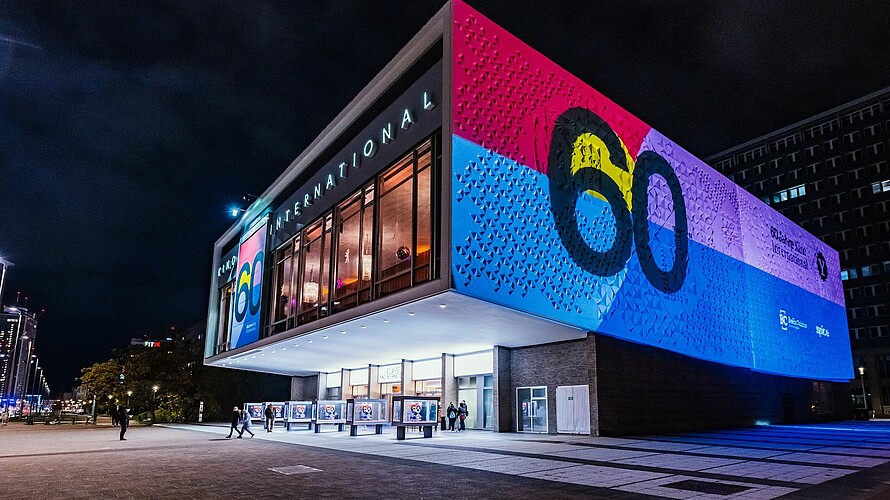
column 480, row 225
column 18, row 328
column 829, row 173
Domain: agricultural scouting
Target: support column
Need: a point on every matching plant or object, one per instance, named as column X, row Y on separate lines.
column 449, row 383
column 503, row 390
column 373, row 384
column 408, row 378
column 322, row 386
column 345, row 383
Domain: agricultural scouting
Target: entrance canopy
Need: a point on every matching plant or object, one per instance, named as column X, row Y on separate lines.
column 445, row 323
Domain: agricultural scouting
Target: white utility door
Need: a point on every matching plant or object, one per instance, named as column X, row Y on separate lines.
column 573, row 409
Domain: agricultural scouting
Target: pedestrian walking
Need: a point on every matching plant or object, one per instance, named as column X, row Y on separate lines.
column 462, row 413
column 270, row 418
column 236, row 421
column 124, row 421
column 245, row 425
column 4, row 418
column 451, row 413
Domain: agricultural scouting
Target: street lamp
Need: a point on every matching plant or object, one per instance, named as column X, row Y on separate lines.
column 109, row 403
column 153, row 397
column 862, row 380
column 129, row 393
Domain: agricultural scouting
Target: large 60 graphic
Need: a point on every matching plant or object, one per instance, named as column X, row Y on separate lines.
column 567, row 183
column 247, row 297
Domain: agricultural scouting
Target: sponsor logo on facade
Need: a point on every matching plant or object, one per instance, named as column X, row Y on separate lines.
column 787, row 322
column 789, row 248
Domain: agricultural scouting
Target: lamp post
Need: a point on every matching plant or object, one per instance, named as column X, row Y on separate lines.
column 129, row 393
column 862, row 380
column 109, row 403
column 154, row 394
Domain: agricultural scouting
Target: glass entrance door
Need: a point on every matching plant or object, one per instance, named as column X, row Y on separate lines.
column 532, row 409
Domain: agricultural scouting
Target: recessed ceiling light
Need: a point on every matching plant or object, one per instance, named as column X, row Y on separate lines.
column 273, row 352
column 253, row 357
column 296, row 345
column 284, row 348
column 325, row 337
column 442, row 306
column 342, row 332
column 386, row 321
column 310, row 341
column 363, row 326
column 410, row 314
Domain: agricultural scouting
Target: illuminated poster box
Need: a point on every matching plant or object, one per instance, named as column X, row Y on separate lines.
column 255, row 410
column 299, row 411
column 415, row 410
column 330, row 411
column 367, row 411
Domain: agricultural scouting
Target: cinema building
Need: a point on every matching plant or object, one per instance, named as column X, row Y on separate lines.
column 480, row 225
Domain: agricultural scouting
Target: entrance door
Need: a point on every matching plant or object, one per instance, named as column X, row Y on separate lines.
column 573, row 409
column 532, row 409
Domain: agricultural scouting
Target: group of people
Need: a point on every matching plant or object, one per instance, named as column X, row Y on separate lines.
column 461, row 412
column 240, row 423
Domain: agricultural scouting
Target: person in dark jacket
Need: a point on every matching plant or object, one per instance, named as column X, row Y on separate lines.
column 451, row 413
column 462, row 413
column 236, row 421
column 270, row 418
column 123, row 420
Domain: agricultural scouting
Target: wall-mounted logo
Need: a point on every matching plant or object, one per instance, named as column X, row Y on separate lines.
column 822, row 331
column 603, row 167
column 787, row 322
column 822, row 266
column 227, row 266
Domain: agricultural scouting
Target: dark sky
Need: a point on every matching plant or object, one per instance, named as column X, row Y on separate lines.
column 128, row 128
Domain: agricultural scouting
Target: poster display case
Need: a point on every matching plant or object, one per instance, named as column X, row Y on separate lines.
column 329, row 412
column 420, row 411
column 299, row 412
column 255, row 410
column 366, row 412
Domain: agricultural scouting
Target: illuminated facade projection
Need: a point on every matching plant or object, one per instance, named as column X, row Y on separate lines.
column 480, row 225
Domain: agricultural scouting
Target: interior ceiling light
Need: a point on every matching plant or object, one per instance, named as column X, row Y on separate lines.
column 342, row 332
column 386, row 321
column 410, row 314
column 310, row 341
column 442, row 306
column 363, row 326
column 325, row 337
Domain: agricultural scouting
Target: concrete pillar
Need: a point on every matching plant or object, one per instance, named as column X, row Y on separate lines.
column 503, row 390
column 304, row 388
column 345, row 384
column 449, row 383
column 408, row 378
column 322, row 385
column 373, row 384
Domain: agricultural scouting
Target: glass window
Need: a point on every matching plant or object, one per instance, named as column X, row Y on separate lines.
column 283, row 284
column 311, row 275
column 225, row 314
column 348, row 254
column 396, row 228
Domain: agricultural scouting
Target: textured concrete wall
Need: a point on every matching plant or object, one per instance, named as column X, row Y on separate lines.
column 642, row 389
column 304, row 388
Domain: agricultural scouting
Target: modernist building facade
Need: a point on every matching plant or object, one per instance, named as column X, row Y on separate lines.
column 18, row 363
column 830, row 174
column 480, row 225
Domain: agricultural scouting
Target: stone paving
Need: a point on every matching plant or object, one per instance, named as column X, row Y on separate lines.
column 843, row 460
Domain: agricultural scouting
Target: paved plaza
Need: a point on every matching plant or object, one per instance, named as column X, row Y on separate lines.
column 841, row 460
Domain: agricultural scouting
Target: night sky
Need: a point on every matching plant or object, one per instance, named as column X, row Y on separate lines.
column 127, row 129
